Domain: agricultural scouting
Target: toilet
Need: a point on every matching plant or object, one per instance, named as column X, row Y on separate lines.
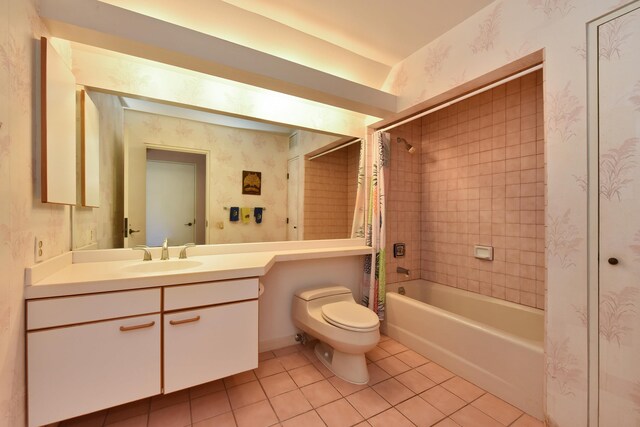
column 346, row 330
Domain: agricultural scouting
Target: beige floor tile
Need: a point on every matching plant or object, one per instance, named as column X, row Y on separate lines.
column 164, row 400
column 305, row 375
column 392, row 365
column 420, row 412
column 384, row 338
column 339, row 414
column 447, row 422
column 390, row 418
column 206, row 388
column 238, row 379
column 435, row 372
column 224, row 420
column 245, row 394
column 129, row 410
column 171, row 416
column 293, row 361
column 137, row 421
column 412, row 358
column 345, row 388
column 308, row 419
column 392, row 346
column 287, row 350
column 209, row 406
column 268, row 367
column 527, row 421
column 415, row 381
column 277, row 384
column 497, row 409
column 320, row 393
column 257, row 414
column 443, row 400
column 265, row 355
column 393, row 391
column 368, row 402
column 290, row 404
column 326, row 372
column 463, row 389
column 376, row 374
column 473, row 417
column 376, row 354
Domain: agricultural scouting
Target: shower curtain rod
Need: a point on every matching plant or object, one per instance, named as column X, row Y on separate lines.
column 346, row 144
column 463, row 97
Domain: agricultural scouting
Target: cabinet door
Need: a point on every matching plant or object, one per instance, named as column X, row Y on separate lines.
column 80, row 369
column 205, row 344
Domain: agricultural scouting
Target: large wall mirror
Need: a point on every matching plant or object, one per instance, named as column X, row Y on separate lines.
column 189, row 175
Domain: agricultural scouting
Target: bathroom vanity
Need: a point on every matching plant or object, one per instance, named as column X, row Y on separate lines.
column 104, row 328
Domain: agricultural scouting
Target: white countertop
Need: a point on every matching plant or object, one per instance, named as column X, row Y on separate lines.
column 76, row 273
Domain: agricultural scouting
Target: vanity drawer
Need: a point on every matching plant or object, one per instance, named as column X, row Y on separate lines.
column 201, row 294
column 47, row 313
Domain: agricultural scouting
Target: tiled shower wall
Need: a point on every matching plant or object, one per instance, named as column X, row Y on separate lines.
column 330, row 184
column 484, row 183
column 403, row 203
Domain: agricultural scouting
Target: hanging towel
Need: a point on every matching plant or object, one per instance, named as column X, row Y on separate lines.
column 234, row 213
column 257, row 212
column 246, row 215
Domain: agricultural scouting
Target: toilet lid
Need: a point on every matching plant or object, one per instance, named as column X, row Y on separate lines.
column 350, row 316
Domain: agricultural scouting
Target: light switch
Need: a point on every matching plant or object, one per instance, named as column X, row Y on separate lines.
column 483, row 252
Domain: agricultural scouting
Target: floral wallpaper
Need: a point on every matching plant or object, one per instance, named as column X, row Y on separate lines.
column 102, row 226
column 22, row 216
column 231, row 151
column 500, row 33
column 619, row 304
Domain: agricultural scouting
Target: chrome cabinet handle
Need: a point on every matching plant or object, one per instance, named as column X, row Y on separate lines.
column 134, row 327
column 180, row 322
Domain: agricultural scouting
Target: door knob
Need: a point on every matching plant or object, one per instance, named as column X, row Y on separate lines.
column 613, row 261
column 189, row 224
column 131, row 231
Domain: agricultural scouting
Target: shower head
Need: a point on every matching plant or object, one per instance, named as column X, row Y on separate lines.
column 410, row 148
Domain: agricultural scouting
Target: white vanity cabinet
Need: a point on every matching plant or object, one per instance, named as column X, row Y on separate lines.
column 86, row 353
column 90, row 352
column 210, row 331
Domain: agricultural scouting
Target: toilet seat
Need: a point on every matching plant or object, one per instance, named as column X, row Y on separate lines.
column 350, row 316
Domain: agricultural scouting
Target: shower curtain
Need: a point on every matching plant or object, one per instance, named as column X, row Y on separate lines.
column 373, row 286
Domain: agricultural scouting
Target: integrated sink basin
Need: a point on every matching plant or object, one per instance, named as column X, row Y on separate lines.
column 162, row 266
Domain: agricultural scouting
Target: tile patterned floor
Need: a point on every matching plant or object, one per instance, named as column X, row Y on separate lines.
column 291, row 387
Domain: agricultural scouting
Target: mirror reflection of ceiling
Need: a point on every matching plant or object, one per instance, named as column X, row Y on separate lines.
column 364, row 38
column 147, row 106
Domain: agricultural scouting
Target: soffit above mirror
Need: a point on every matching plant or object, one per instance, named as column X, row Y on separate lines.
column 120, row 30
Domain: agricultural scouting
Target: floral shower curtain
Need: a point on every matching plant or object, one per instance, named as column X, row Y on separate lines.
column 373, row 287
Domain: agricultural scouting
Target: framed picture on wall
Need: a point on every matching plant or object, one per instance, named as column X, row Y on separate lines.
column 251, row 182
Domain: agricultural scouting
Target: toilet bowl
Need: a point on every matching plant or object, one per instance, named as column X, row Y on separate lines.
column 346, row 330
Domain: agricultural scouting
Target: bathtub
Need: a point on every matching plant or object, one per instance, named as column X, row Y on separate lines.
column 495, row 344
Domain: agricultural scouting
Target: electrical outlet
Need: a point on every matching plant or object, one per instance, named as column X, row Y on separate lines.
column 39, row 249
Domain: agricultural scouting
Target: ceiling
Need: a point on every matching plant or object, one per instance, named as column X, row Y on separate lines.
column 359, row 40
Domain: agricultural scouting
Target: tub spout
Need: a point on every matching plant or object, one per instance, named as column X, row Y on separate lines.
column 403, row 270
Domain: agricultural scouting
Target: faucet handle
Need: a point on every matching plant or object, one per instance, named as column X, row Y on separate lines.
column 145, row 248
column 183, row 252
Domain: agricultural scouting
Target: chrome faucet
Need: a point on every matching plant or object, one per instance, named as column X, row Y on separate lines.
column 165, row 250
column 147, row 253
column 183, row 252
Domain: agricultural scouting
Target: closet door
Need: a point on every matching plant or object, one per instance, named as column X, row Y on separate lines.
column 619, row 234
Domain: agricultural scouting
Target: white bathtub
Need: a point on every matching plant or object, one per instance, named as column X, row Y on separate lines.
column 495, row 344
